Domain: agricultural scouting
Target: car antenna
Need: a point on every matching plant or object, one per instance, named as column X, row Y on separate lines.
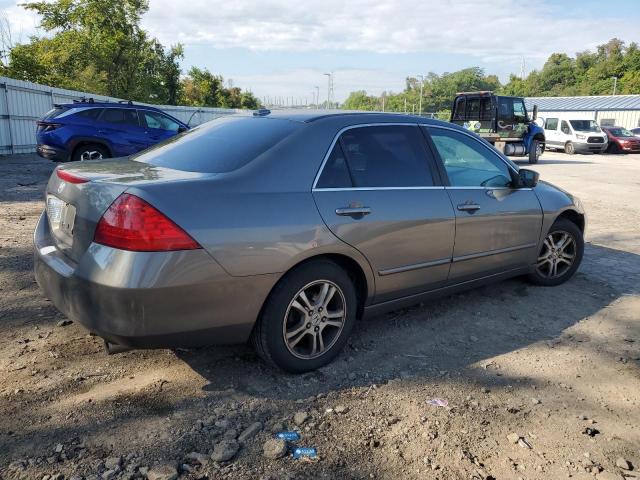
column 191, row 117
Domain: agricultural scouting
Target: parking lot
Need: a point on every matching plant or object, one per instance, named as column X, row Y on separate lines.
column 558, row 367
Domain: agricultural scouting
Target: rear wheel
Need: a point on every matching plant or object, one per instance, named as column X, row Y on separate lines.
column 535, row 151
column 90, row 151
column 569, row 148
column 560, row 255
column 307, row 318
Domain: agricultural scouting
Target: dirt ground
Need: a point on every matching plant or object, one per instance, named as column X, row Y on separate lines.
column 557, row 367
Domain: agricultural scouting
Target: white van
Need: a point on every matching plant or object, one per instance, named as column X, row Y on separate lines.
column 571, row 136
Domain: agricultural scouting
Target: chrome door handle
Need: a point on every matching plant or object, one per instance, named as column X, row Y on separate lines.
column 353, row 211
column 468, row 207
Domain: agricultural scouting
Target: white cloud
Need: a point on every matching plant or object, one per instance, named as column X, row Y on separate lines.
column 496, row 33
column 22, row 23
column 487, row 30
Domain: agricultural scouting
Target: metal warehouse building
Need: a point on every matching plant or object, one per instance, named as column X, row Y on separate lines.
column 607, row 110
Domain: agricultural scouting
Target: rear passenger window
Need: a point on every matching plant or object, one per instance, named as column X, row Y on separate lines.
column 380, row 156
column 89, row 113
column 551, row 124
column 120, row 116
column 336, row 172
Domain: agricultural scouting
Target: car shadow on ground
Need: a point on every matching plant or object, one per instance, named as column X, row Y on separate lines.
column 439, row 340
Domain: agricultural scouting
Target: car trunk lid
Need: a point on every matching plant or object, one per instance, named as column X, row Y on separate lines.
column 78, row 194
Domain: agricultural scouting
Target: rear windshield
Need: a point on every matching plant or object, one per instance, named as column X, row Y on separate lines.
column 51, row 114
column 219, row 146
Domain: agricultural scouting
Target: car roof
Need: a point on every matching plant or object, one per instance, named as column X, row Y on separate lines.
column 309, row 116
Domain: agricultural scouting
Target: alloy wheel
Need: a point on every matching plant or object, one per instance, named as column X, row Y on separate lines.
column 90, row 155
column 557, row 255
column 314, row 319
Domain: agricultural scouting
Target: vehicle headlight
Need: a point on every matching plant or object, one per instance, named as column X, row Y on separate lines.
column 580, row 137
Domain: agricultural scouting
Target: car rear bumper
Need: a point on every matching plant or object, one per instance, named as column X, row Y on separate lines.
column 52, row 153
column 149, row 299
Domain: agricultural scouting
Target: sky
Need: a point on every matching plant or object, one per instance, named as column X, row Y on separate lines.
column 282, row 48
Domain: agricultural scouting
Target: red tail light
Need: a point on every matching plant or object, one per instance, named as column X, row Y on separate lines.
column 47, row 126
column 130, row 223
column 70, row 177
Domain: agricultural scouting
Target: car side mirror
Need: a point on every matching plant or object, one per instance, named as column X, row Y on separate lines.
column 182, row 128
column 527, row 178
column 534, row 113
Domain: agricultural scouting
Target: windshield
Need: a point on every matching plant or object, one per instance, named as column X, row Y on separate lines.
column 585, row 125
column 219, row 146
column 620, row 132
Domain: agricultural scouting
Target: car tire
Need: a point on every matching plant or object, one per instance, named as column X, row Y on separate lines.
column 89, row 151
column 614, row 148
column 535, row 151
column 569, row 148
column 286, row 337
column 553, row 252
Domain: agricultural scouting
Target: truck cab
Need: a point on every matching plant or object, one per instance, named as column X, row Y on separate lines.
column 501, row 120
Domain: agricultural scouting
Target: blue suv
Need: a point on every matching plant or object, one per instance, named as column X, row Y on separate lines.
column 89, row 130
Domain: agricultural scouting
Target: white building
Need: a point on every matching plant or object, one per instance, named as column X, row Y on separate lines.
column 607, row 110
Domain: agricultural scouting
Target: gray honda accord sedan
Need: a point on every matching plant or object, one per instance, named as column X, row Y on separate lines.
column 284, row 228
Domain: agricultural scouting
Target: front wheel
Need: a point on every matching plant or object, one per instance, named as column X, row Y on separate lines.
column 535, row 151
column 307, row 318
column 569, row 148
column 560, row 255
column 613, row 148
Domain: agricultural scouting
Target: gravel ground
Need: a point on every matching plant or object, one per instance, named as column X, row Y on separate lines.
column 540, row 383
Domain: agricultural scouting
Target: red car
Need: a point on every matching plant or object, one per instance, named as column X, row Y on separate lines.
column 622, row 140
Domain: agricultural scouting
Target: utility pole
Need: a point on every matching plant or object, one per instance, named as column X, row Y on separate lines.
column 421, row 77
column 615, row 84
column 329, row 89
column 317, row 102
column 522, row 69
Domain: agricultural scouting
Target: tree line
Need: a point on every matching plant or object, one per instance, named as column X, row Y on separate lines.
column 99, row 46
column 588, row 73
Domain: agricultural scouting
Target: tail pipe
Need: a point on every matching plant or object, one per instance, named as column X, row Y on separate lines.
column 113, row 348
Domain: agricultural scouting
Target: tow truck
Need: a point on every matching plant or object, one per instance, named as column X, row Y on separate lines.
column 502, row 121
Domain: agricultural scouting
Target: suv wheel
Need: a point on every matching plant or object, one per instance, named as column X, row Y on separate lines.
column 307, row 318
column 89, row 151
column 560, row 255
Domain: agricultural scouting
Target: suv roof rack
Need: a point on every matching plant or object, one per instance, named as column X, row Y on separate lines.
column 83, row 100
column 128, row 102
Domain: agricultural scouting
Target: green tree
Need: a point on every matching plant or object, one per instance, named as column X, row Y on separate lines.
column 98, row 45
column 202, row 88
column 589, row 73
column 438, row 92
